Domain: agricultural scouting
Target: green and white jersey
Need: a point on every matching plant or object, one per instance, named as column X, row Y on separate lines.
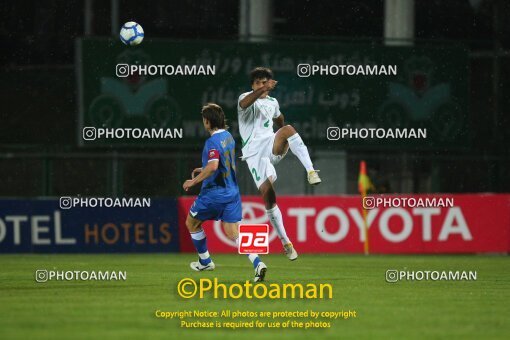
column 256, row 123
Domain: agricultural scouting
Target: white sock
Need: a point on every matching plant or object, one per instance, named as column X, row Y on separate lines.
column 298, row 148
column 276, row 219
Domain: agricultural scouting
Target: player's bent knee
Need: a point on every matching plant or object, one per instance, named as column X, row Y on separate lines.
column 232, row 236
column 231, row 230
column 191, row 224
column 290, row 129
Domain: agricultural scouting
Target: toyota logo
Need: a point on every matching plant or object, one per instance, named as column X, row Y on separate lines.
column 253, row 213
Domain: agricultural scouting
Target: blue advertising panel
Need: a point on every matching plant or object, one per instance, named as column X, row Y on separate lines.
column 42, row 226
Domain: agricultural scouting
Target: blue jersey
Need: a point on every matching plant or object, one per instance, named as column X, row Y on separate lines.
column 222, row 185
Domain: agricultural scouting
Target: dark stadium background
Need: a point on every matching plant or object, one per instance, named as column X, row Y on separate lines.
column 39, row 155
column 56, row 57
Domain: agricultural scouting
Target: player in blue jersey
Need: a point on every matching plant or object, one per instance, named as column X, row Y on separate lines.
column 219, row 197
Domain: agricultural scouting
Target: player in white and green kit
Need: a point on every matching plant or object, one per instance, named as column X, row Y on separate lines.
column 263, row 148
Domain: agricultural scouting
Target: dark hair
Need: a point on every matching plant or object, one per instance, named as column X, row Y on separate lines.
column 215, row 115
column 261, row 72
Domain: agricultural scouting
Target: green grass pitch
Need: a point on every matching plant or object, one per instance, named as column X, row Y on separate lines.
column 125, row 310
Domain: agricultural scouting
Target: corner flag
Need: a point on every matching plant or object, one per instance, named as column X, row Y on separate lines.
column 364, row 185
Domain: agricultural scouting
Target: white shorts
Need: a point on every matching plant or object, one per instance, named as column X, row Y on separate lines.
column 262, row 164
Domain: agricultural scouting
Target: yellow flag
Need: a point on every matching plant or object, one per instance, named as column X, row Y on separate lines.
column 364, row 182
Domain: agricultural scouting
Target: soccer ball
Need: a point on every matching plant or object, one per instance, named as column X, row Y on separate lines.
column 131, row 33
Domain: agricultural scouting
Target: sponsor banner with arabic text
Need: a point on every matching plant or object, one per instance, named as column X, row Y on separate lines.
column 429, row 91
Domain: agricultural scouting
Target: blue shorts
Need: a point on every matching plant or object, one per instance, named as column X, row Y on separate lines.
column 204, row 209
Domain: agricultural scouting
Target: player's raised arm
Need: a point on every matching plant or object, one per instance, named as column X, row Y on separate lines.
column 253, row 96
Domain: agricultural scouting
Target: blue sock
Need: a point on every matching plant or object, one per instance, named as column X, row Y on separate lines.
column 255, row 259
column 200, row 243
